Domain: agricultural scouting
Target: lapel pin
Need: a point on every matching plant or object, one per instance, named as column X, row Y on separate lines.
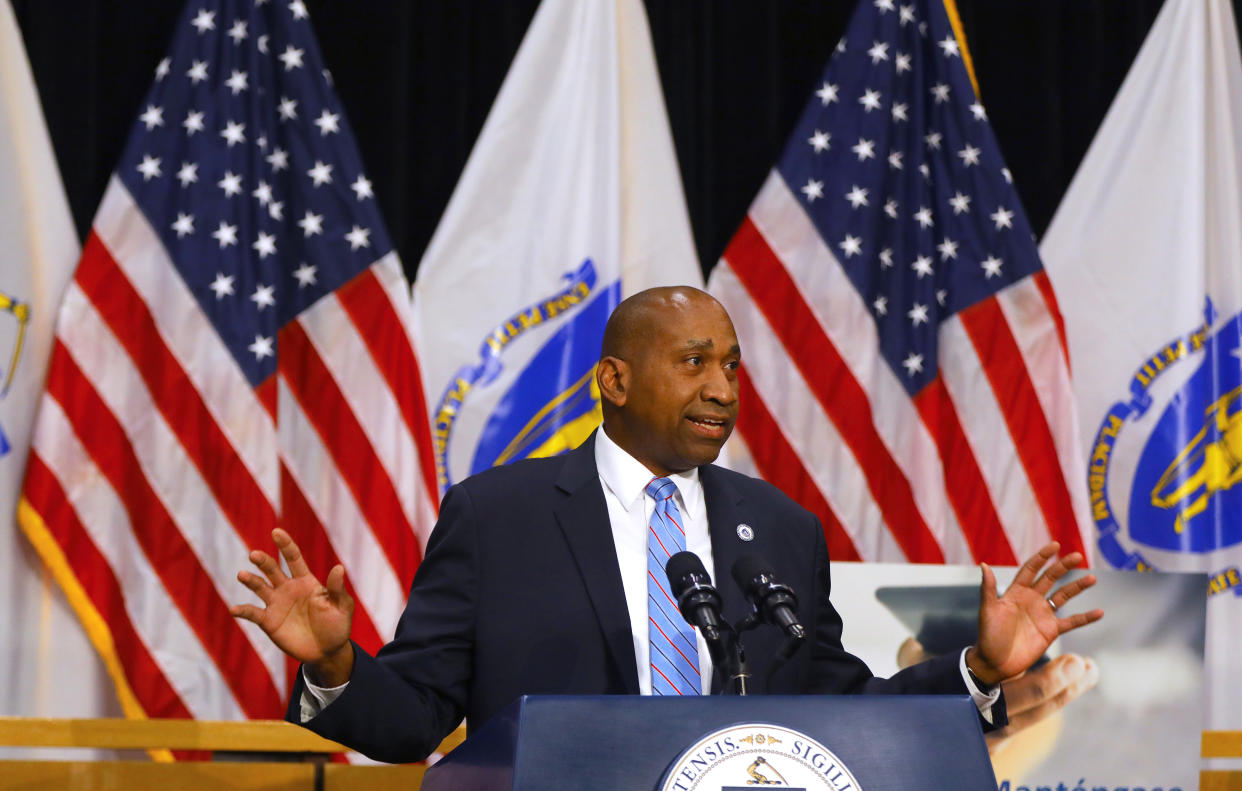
column 745, row 532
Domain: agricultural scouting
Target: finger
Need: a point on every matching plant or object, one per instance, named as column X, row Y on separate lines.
column 270, row 568
column 256, row 584
column 291, row 553
column 1070, row 590
column 987, row 584
column 1042, row 683
column 335, row 581
column 1030, row 569
column 1072, row 622
column 247, row 612
column 1048, row 580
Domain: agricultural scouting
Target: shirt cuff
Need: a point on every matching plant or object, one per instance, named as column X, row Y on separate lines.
column 984, row 700
column 316, row 698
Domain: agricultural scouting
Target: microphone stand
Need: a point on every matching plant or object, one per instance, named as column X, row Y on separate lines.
column 792, row 643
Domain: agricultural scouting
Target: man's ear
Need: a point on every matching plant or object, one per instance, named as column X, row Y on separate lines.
column 613, row 377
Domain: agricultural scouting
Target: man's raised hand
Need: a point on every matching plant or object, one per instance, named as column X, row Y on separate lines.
column 1016, row 629
column 308, row 620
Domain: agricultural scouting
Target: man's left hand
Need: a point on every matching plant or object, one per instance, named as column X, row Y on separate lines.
column 1017, row 628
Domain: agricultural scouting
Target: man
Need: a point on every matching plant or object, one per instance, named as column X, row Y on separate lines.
column 537, row 577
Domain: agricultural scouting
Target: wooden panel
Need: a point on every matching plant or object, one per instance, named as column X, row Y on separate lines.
column 122, row 734
column 123, row 775
column 1220, row 781
column 1222, row 744
column 341, row 777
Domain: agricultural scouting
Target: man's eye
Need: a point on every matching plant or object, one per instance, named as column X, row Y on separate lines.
column 694, row 359
column 733, row 365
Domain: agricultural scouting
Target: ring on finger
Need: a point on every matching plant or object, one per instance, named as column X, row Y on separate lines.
column 1051, row 603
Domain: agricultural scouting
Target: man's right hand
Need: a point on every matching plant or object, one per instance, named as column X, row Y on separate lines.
column 307, row 620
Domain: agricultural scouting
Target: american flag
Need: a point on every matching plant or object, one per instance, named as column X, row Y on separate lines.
column 906, row 374
column 231, row 355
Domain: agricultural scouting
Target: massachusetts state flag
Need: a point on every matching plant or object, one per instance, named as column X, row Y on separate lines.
column 231, row 355
column 571, row 201
column 1144, row 250
column 905, row 372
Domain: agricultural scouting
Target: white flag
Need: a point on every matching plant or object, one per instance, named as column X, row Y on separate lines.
column 46, row 664
column 571, row 200
column 1145, row 253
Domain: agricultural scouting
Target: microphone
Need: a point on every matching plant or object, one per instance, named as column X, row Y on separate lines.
column 698, row 601
column 773, row 601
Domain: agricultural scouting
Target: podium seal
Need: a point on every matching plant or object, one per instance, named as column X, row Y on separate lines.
column 753, row 755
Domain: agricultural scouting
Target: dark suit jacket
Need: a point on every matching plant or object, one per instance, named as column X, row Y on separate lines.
column 520, row 593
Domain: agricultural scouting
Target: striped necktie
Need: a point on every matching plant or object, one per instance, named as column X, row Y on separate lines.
column 674, row 648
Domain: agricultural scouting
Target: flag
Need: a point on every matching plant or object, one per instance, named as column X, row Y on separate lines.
column 569, row 202
column 231, row 355
column 48, row 668
column 1143, row 252
column 904, row 373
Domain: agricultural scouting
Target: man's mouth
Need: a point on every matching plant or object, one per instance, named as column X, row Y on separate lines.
column 710, row 426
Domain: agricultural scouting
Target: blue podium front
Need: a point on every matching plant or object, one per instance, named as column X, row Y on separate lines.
column 631, row 743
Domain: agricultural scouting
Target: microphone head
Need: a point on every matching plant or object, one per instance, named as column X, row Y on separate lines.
column 682, row 568
column 748, row 568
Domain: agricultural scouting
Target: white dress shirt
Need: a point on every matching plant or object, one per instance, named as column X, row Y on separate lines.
column 629, row 509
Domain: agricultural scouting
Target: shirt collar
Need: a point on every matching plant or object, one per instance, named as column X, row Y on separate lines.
column 626, row 477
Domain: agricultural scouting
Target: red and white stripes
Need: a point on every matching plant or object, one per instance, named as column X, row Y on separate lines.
column 155, row 466
column 978, row 466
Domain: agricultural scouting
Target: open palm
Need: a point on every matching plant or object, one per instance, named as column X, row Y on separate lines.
column 308, row 620
column 1017, row 628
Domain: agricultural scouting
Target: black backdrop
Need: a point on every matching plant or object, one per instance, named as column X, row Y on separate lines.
column 417, row 78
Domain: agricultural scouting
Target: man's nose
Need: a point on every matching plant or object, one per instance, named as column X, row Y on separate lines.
column 720, row 387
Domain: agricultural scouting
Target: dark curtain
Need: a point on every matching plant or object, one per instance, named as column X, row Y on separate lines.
column 417, row 80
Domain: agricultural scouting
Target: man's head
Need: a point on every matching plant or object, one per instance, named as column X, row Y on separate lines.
column 668, row 378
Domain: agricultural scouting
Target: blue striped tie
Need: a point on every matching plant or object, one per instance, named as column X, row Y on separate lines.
column 674, row 648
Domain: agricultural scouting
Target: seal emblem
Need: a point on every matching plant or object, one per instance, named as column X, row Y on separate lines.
column 755, row 754
column 1167, row 456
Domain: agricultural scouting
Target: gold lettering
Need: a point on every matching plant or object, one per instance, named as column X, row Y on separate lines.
column 1114, row 426
column 530, row 319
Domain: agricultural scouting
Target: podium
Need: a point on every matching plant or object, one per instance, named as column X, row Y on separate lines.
column 628, row 743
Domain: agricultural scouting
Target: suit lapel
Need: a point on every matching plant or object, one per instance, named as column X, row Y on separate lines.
column 583, row 518
column 725, row 511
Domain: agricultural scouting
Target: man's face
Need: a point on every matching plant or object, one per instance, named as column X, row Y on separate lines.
column 682, row 401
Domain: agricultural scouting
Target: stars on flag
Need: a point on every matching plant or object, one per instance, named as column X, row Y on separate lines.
column 188, row 174
column 153, row 117
column 240, row 103
column 320, row 174
column 193, row 122
column 226, row 234
column 358, row 237
column 231, row 184
column 1002, row 217
column 305, row 275
column 292, row 58
column 222, row 286
column 857, row 196
column 362, row 187
column 149, row 168
column 870, row 100
column 184, row 224
column 234, row 132
column 327, row 123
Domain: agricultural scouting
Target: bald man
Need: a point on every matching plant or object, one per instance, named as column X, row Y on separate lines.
column 536, row 578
